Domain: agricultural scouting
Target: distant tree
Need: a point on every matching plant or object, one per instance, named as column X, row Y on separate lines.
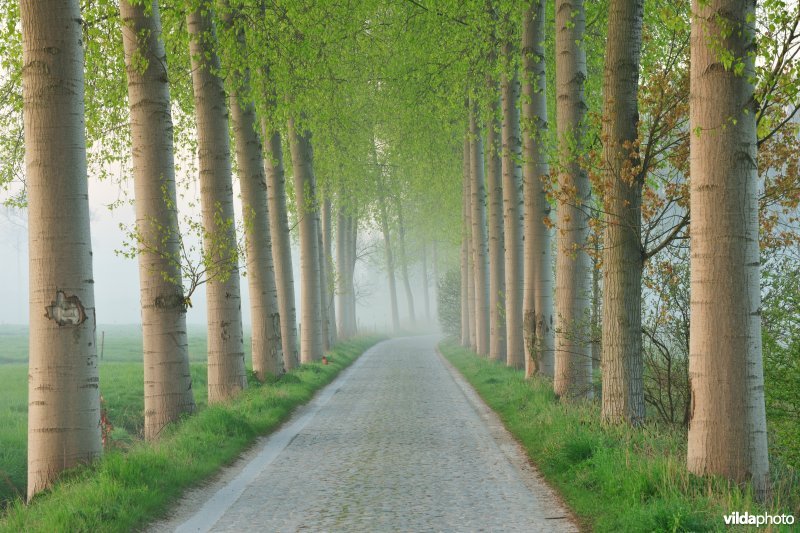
column 449, row 303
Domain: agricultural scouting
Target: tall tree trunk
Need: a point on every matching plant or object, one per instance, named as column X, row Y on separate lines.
column 727, row 423
column 226, row 370
column 497, row 267
column 343, row 284
column 401, row 237
column 573, row 357
column 281, row 244
column 538, row 318
column 622, row 363
column 435, row 260
column 513, row 208
column 352, row 224
column 63, row 394
column 267, row 351
column 465, row 325
column 311, row 331
column 479, row 235
column 473, row 335
column 327, row 246
column 425, row 283
column 328, row 279
column 167, row 381
column 323, row 285
column 390, row 267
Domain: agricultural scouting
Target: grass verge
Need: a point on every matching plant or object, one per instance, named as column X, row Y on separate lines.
column 613, row 478
column 127, row 489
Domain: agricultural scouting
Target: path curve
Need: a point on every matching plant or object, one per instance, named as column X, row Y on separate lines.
column 398, row 442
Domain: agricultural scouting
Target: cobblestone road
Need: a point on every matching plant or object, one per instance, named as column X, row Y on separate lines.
column 397, row 443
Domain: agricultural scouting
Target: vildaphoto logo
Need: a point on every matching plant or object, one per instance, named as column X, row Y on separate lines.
column 746, row 519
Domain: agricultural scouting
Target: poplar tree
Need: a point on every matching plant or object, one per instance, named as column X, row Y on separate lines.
column 727, row 420
column 623, row 257
column 226, row 370
column 281, row 243
column 573, row 358
column 167, row 380
column 479, row 234
column 267, row 350
column 311, row 332
column 63, row 383
column 538, row 321
column 513, row 213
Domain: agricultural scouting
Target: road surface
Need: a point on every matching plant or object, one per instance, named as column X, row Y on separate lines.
column 399, row 442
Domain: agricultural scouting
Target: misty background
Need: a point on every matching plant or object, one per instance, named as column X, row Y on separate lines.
column 117, row 277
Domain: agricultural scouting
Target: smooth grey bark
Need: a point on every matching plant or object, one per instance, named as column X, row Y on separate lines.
column 346, row 237
column 390, row 266
column 512, row 221
column 473, row 340
column 267, row 351
column 352, row 257
column 573, row 357
column 727, row 421
column 281, row 244
column 323, row 279
column 312, row 339
column 401, row 237
column 538, row 312
column 330, row 277
column 167, row 380
column 425, row 282
column 479, row 235
column 344, row 277
column 497, row 268
column 226, row 369
column 63, row 393
column 465, row 325
column 435, row 260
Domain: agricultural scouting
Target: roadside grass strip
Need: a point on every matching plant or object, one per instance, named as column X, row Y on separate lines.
column 130, row 487
column 614, row 478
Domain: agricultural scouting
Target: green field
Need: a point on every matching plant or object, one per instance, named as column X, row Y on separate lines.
column 121, row 386
column 117, row 343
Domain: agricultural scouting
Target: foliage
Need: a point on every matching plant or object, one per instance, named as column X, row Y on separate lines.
column 615, row 478
column 665, row 328
column 124, row 490
column 449, row 303
column 781, row 336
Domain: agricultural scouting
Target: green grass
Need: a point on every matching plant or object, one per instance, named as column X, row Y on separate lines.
column 121, row 384
column 613, row 478
column 13, row 430
column 136, row 481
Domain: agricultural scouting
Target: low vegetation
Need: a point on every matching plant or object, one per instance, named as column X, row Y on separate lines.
column 136, row 481
column 614, row 478
column 121, row 386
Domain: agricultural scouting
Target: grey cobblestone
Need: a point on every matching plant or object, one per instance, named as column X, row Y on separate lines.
column 402, row 445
